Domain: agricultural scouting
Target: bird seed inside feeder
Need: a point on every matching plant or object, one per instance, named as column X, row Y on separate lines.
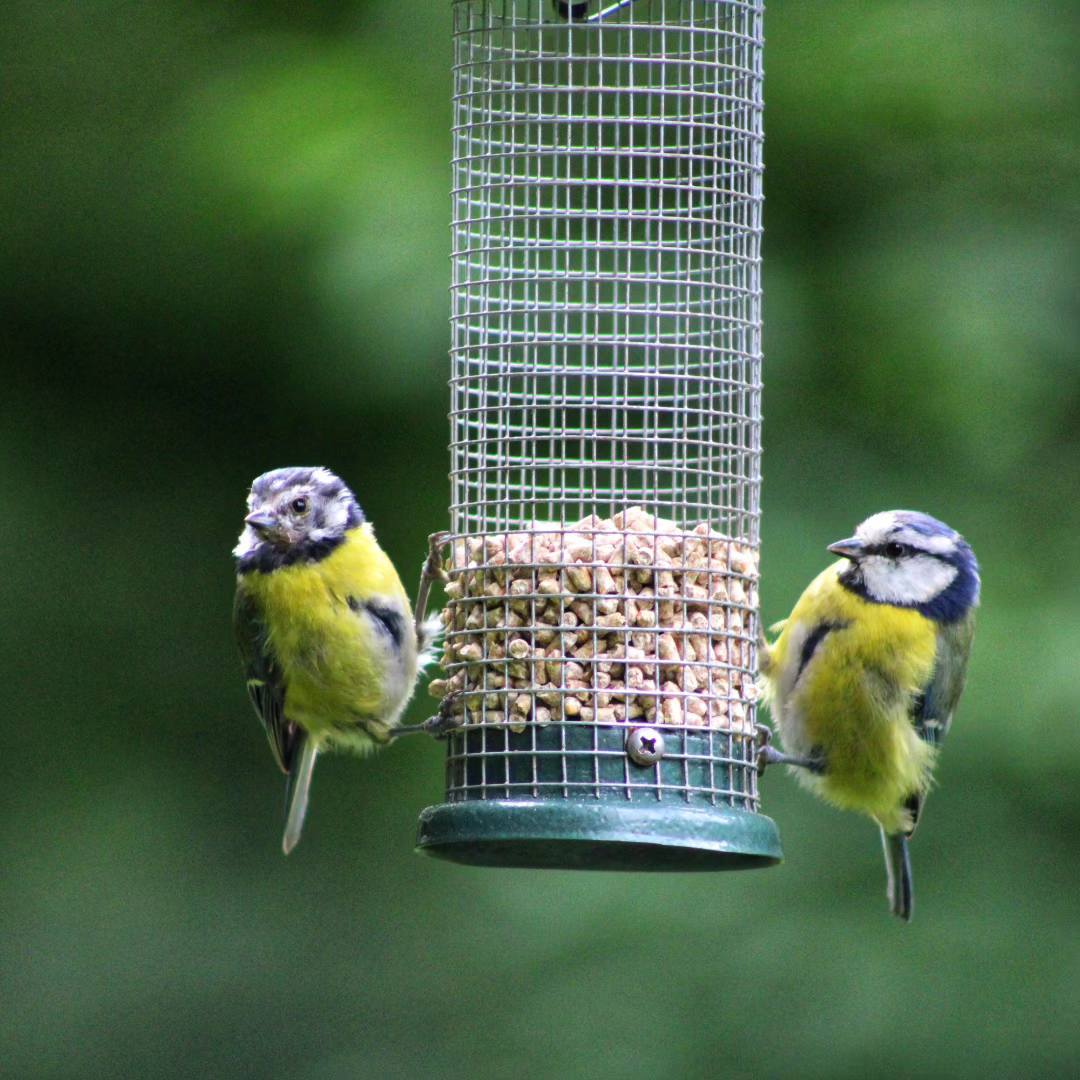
column 609, row 621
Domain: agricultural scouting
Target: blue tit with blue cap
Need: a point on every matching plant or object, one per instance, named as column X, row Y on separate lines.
column 327, row 637
column 866, row 673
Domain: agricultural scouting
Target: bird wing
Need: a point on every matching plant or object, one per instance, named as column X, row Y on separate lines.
column 933, row 709
column 265, row 682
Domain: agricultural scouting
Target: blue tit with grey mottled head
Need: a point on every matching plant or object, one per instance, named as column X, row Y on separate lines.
column 866, row 673
column 326, row 633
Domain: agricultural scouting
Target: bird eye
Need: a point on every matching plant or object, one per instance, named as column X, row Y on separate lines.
column 893, row 550
column 299, row 506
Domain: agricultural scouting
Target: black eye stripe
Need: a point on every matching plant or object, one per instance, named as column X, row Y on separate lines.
column 893, row 549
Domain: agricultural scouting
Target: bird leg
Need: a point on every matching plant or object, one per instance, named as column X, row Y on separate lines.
column 445, row 720
column 431, row 572
column 769, row 755
column 439, row 725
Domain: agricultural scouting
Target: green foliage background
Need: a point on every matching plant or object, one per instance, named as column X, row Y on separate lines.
column 225, row 249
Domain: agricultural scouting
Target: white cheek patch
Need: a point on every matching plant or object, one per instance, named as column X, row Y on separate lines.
column 335, row 518
column 337, row 513
column 248, row 542
column 915, row 580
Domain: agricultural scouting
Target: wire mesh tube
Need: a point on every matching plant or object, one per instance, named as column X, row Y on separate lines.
column 605, row 406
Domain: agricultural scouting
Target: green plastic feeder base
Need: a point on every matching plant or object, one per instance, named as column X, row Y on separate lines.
column 600, row 835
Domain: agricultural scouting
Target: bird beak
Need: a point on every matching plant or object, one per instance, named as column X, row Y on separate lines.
column 261, row 521
column 847, row 549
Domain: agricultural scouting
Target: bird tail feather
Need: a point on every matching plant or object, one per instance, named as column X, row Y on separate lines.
column 900, row 888
column 297, row 788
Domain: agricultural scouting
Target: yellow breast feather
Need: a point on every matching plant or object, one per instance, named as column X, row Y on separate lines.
column 334, row 661
column 850, row 699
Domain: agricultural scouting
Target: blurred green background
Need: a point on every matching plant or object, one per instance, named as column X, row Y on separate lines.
column 225, row 248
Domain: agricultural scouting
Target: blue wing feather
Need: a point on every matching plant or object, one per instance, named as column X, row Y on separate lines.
column 932, row 711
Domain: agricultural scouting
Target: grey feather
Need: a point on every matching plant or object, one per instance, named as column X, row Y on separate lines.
column 934, row 709
column 265, row 682
column 900, row 889
column 297, row 789
column 932, row 712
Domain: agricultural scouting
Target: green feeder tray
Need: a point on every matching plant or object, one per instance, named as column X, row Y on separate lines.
column 575, row 796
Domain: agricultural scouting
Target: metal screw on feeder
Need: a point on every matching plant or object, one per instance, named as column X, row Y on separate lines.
column 599, row 697
column 645, row 745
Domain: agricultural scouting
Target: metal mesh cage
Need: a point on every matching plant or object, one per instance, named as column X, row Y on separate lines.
column 605, row 425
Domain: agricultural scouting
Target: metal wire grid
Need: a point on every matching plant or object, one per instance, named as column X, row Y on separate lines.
column 581, row 760
column 606, row 342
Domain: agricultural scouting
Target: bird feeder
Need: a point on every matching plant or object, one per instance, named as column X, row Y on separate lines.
column 602, row 563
